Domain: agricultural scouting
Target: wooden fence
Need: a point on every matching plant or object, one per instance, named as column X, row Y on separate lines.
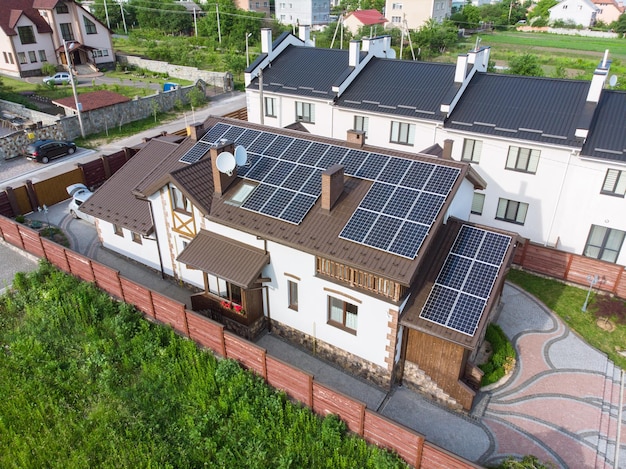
column 298, row 384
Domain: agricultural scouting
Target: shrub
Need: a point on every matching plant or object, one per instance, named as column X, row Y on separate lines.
column 48, row 69
column 502, row 359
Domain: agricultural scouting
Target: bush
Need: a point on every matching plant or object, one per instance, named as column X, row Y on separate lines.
column 503, row 356
column 48, row 69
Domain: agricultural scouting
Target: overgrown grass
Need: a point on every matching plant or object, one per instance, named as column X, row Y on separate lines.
column 567, row 301
column 503, row 356
column 87, row 382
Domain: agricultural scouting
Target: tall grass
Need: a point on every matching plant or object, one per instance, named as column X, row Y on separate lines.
column 87, row 383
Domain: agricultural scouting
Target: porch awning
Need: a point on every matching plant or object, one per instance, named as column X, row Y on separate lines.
column 231, row 260
column 74, row 45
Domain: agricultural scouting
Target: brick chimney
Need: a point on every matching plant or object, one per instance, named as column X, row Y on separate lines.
column 221, row 181
column 332, row 186
column 356, row 138
column 195, row 131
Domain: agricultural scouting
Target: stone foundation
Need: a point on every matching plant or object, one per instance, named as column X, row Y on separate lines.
column 415, row 379
column 353, row 364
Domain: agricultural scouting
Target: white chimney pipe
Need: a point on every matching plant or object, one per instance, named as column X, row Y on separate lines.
column 461, row 68
column 266, row 41
column 304, row 33
column 354, row 53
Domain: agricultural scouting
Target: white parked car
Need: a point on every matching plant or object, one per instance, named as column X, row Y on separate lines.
column 79, row 193
column 61, row 78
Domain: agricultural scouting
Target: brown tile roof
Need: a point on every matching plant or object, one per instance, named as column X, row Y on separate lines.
column 12, row 10
column 231, row 260
column 368, row 17
column 93, row 100
column 115, row 202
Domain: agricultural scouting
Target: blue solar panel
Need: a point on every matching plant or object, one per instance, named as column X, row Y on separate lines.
column 372, row 166
column 234, row 133
column 259, row 197
column 426, row 208
column 442, row 180
column 334, row 155
column 409, row 240
column 469, row 277
column 417, row 175
column 278, row 202
column 358, row 226
column 195, row 153
column 298, row 208
column 260, row 169
column 383, row 232
column 377, row 197
column 278, row 146
column 313, row 186
column 248, row 137
column 261, row 143
column 295, row 150
column 353, row 160
column 394, row 170
column 253, row 158
column 313, row 153
column 298, row 177
column 401, row 202
column 215, row 133
column 279, row 173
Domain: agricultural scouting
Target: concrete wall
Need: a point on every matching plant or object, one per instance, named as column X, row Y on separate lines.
column 222, row 80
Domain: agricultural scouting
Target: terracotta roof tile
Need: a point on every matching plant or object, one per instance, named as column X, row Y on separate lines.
column 93, row 100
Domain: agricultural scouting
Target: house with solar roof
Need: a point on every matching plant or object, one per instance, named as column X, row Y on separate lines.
column 360, row 253
column 552, row 151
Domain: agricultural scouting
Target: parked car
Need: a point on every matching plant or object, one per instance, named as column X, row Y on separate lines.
column 61, row 78
column 46, row 150
column 79, row 194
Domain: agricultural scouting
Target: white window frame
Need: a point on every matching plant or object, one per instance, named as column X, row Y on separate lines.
column 361, row 123
column 402, row 133
column 305, row 112
column 614, row 183
column 512, row 211
column 478, row 203
column 270, row 106
column 472, row 150
column 523, row 159
column 604, row 243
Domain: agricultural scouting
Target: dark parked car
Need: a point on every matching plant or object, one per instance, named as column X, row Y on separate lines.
column 46, row 150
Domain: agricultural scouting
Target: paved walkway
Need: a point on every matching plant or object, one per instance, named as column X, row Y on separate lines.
column 560, row 404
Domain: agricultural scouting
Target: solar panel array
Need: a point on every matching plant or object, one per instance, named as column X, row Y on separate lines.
column 195, row 153
column 464, row 284
column 395, row 216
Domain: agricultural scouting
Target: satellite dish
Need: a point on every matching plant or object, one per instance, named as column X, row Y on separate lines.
column 241, row 155
column 225, row 162
column 613, row 80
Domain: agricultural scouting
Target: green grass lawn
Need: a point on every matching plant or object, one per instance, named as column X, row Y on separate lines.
column 567, row 302
column 86, row 382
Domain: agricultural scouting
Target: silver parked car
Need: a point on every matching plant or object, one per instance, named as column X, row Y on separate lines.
column 79, row 193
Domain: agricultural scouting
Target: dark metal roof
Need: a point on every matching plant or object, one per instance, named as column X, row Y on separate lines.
column 115, row 202
column 231, row 260
column 607, row 135
column 530, row 108
column 304, row 71
column 400, row 87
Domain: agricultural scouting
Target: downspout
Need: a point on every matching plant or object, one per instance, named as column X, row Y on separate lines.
column 156, row 237
column 558, row 199
column 261, row 96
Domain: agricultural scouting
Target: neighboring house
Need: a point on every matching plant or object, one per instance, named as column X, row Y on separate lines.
column 91, row 101
column 309, row 12
column 416, row 12
column 551, row 150
column 32, row 33
column 259, row 6
column 578, row 12
column 361, row 254
column 355, row 20
column 608, row 10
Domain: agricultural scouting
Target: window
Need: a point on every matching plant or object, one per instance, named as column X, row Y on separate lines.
column 42, row 56
column 305, row 112
column 62, row 8
column 32, row 56
column 137, row 238
column 100, row 53
column 604, row 243
column 478, row 202
column 21, row 56
column 512, row 211
column 396, row 19
column 11, row 57
column 117, row 229
column 293, row 295
column 6, row 59
column 471, row 150
column 342, row 314
column 361, row 123
column 402, row 133
column 179, row 201
column 224, row 289
column 90, row 27
column 523, row 159
column 66, row 31
column 26, row 34
column 270, row 107
column 396, row 6
column 614, row 183
column 242, row 194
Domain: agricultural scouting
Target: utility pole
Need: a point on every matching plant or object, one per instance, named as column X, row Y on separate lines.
column 106, row 13
column 78, row 105
column 195, row 21
column 219, row 31
column 123, row 17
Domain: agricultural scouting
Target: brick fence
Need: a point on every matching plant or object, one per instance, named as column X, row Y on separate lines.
column 299, row 385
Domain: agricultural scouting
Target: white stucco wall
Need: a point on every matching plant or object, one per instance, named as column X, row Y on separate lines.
column 43, row 42
column 146, row 252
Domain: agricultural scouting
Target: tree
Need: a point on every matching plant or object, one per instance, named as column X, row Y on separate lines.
column 435, row 38
column 620, row 24
column 469, row 17
column 113, row 8
column 525, row 64
column 165, row 15
column 541, row 9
